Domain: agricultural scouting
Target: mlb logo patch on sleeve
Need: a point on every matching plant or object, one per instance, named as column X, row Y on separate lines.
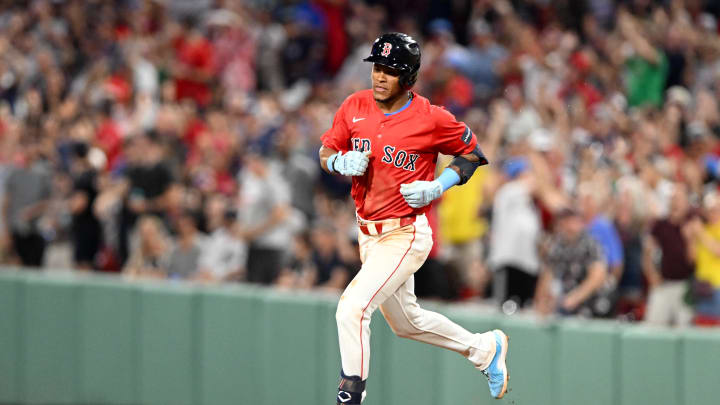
column 467, row 136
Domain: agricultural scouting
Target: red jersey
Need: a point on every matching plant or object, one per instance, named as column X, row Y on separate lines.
column 404, row 147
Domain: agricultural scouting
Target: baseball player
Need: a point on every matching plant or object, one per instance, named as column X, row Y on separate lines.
column 388, row 139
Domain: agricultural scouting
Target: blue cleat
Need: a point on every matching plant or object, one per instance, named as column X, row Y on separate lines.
column 496, row 372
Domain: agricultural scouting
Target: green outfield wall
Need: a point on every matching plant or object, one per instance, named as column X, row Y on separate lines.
column 94, row 340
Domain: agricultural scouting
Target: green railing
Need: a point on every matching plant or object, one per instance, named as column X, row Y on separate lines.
column 74, row 339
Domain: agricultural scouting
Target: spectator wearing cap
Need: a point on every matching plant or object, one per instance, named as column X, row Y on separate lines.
column 669, row 241
column 514, row 235
column 573, row 269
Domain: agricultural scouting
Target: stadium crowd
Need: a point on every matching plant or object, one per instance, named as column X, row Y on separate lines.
column 178, row 139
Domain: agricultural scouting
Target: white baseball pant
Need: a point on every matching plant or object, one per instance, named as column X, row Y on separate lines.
column 386, row 280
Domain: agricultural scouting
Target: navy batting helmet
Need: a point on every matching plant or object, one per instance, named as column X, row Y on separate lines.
column 398, row 51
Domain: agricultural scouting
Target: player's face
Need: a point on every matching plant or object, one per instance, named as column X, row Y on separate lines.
column 385, row 82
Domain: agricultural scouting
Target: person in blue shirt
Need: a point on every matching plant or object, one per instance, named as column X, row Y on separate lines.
column 602, row 229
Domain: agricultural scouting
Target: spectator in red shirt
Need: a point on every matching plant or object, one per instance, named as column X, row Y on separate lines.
column 107, row 135
column 194, row 67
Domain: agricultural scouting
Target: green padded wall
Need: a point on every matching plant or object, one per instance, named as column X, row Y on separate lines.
column 587, row 355
column 168, row 343
column 51, row 340
column 328, row 350
column 460, row 382
column 288, row 345
column 650, row 367
column 531, row 361
column 229, row 361
column 700, row 365
column 109, row 353
column 89, row 340
column 10, row 336
column 414, row 370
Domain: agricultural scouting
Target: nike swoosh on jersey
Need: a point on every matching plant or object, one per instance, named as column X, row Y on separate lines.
column 357, row 119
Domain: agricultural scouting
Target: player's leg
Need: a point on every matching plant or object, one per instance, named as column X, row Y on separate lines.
column 388, row 261
column 408, row 320
column 486, row 351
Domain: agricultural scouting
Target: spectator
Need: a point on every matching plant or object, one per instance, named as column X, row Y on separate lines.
column 299, row 271
column 271, row 40
column 86, row 230
column 151, row 250
column 149, row 179
column 706, row 288
column 300, row 171
column 485, row 56
column 647, row 65
column 27, row 194
column 330, row 271
column 573, row 269
column 668, row 240
column 194, row 68
column 224, row 255
column 514, row 235
column 602, row 229
column 264, row 217
column 631, row 216
column 185, row 256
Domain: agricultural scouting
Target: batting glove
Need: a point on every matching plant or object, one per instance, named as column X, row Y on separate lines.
column 352, row 163
column 420, row 193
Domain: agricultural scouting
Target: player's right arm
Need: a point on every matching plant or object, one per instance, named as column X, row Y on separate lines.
column 351, row 163
column 335, row 153
column 325, row 154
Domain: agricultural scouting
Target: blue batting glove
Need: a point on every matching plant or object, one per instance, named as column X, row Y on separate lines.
column 352, row 163
column 420, row 193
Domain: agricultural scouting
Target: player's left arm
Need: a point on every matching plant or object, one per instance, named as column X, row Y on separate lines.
column 455, row 138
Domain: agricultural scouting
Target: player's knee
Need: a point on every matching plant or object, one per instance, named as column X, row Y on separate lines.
column 403, row 331
column 407, row 331
column 407, row 327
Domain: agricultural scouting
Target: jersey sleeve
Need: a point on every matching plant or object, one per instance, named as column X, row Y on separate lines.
column 338, row 136
column 451, row 136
